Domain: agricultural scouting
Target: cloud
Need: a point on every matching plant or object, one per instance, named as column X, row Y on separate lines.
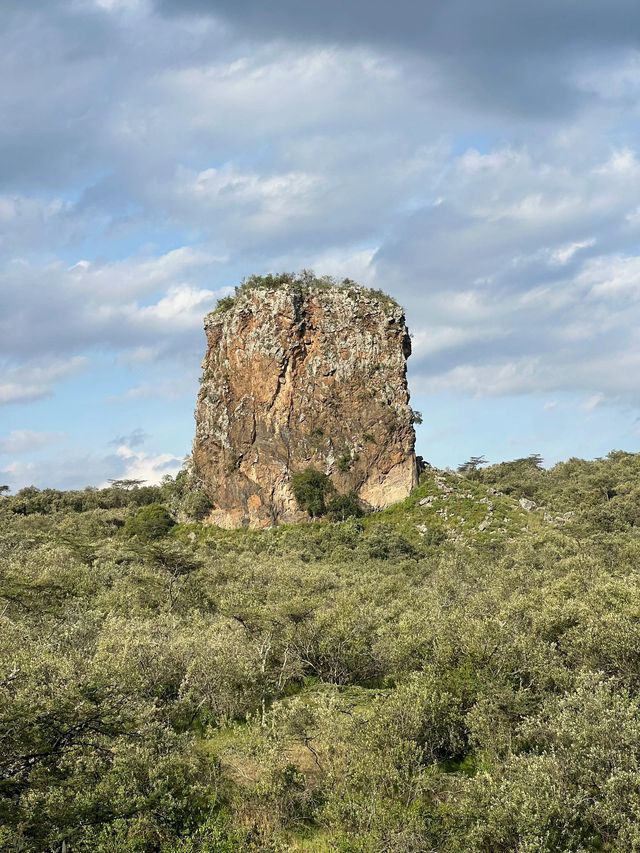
column 142, row 466
column 509, row 289
column 12, row 392
column 27, row 382
column 28, row 441
column 76, row 471
column 161, row 390
column 593, row 402
column 497, row 55
column 182, row 305
column 155, row 301
column 479, row 161
column 134, row 439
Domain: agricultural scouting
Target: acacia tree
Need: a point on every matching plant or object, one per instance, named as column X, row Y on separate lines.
column 126, row 484
column 471, row 466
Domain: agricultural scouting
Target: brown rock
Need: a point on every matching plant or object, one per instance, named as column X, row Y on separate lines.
column 301, row 373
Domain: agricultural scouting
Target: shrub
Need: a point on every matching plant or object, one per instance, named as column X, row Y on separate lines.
column 150, row 522
column 383, row 542
column 341, row 507
column 346, row 461
column 196, row 505
column 184, row 495
column 311, row 488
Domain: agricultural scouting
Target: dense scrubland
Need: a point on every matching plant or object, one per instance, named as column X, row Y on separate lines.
column 460, row 672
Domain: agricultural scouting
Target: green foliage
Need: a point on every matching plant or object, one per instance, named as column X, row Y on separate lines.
column 455, row 673
column 223, row 304
column 602, row 495
column 32, row 501
column 311, row 488
column 185, row 496
column 341, row 507
column 471, row 467
column 150, row 522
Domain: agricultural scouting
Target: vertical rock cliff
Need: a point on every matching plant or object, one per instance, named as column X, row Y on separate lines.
column 299, row 372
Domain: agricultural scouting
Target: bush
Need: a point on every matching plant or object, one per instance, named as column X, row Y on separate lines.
column 345, row 687
column 184, row 495
column 342, row 507
column 196, row 505
column 150, row 522
column 311, row 488
column 383, row 542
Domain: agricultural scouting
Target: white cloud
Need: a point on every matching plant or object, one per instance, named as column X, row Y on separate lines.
column 505, row 293
column 68, row 471
column 27, row 441
column 181, row 305
column 11, row 392
column 563, row 254
column 150, row 468
column 593, row 402
column 28, row 382
column 163, row 390
column 141, row 304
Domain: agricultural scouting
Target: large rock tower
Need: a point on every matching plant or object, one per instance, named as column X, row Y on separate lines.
column 302, row 372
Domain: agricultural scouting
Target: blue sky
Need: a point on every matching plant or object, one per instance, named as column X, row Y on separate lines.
column 479, row 161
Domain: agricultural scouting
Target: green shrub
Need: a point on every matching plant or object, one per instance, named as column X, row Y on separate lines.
column 311, row 488
column 384, row 542
column 224, row 304
column 196, row 505
column 150, row 522
column 346, row 687
column 341, row 507
column 346, row 461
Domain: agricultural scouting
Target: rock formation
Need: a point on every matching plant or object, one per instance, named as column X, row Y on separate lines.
column 300, row 372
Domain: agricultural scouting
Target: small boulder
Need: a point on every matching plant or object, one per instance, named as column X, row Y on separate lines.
column 527, row 504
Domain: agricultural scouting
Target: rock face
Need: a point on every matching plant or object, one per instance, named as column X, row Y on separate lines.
column 300, row 373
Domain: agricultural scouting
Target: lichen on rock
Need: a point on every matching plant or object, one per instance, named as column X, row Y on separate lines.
column 302, row 372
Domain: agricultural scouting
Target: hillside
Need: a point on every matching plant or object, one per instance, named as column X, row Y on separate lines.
column 458, row 672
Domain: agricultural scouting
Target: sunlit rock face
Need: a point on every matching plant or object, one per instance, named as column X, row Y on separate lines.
column 298, row 375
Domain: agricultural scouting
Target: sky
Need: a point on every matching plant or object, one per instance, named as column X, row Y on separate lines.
column 478, row 161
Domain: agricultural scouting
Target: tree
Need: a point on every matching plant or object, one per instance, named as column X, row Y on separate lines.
column 341, row 507
column 150, row 522
column 126, row 484
column 471, row 466
column 311, row 488
column 4, row 490
column 535, row 460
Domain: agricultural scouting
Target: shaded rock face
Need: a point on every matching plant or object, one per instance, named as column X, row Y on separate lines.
column 297, row 377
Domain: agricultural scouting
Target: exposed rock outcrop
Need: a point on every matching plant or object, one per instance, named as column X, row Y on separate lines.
column 300, row 373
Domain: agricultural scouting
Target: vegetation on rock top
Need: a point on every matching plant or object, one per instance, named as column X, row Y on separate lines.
column 302, row 282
